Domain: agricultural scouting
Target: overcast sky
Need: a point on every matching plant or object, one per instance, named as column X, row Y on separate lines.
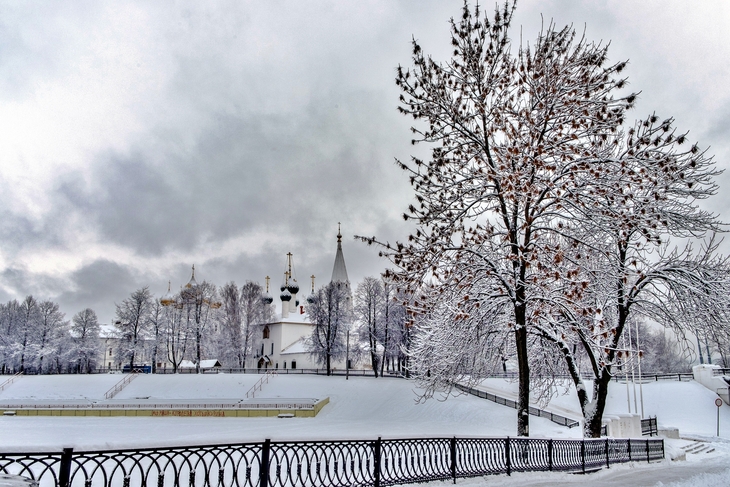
column 139, row 138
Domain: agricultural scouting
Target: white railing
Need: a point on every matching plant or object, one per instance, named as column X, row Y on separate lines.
column 12, row 379
column 260, row 383
column 120, row 385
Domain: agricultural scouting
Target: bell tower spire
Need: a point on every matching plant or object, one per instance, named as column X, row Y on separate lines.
column 339, row 270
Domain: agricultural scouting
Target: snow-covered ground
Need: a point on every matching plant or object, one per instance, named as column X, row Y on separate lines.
column 361, row 408
column 688, row 406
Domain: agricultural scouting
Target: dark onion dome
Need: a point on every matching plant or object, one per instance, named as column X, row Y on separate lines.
column 266, row 298
column 310, row 298
column 285, row 295
column 293, row 286
column 282, row 287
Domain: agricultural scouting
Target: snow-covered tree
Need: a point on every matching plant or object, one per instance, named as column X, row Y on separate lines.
column 10, row 321
column 513, row 133
column 157, row 327
column 200, row 302
column 132, row 323
column 175, row 333
column 51, row 331
column 85, row 330
column 369, row 297
column 661, row 351
column 24, row 347
column 634, row 272
column 254, row 312
column 330, row 311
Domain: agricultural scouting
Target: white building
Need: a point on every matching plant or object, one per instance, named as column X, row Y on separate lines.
column 282, row 342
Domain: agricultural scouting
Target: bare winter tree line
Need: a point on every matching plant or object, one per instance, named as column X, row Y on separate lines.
column 35, row 337
column 545, row 220
column 201, row 321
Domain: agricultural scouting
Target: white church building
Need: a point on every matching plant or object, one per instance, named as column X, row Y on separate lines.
column 282, row 343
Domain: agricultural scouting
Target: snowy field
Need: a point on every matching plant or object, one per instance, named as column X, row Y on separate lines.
column 361, row 408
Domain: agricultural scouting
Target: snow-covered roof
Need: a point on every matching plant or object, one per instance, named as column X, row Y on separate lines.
column 186, row 364
column 293, row 318
column 209, row 364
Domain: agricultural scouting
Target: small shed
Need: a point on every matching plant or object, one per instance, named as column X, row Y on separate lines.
column 211, row 364
column 186, row 364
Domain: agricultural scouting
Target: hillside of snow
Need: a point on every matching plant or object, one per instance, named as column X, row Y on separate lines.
column 688, row 406
column 359, row 408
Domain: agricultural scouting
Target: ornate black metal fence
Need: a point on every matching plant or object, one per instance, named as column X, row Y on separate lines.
column 324, row 463
column 649, row 427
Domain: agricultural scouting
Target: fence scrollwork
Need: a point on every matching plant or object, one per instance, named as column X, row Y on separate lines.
column 324, row 463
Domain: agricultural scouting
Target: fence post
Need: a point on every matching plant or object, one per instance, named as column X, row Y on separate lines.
column 507, row 456
column 550, row 454
column 647, row 450
column 264, row 468
column 663, row 455
column 629, row 442
column 608, row 457
column 376, row 464
column 453, row 458
column 64, row 471
column 583, row 454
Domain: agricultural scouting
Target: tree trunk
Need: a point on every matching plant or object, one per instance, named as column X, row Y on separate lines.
column 523, row 401
column 593, row 423
column 197, row 351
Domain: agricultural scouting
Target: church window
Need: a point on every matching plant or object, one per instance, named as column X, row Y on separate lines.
column 266, row 332
column 293, row 364
column 272, row 348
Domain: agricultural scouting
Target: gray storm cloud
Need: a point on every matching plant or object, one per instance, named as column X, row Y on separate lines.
column 141, row 138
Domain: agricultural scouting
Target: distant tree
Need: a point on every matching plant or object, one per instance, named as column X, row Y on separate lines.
column 27, row 331
column 85, row 330
column 51, row 330
column 231, row 347
column 132, row 324
column 200, row 302
column 157, row 326
column 175, row 333
column 396, row 335
column 662, row 351
column 330, row 313
column 369, row 297
column 254, row 312
column 10, row 319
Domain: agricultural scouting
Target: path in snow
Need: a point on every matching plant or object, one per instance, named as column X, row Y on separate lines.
column 715, row 473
